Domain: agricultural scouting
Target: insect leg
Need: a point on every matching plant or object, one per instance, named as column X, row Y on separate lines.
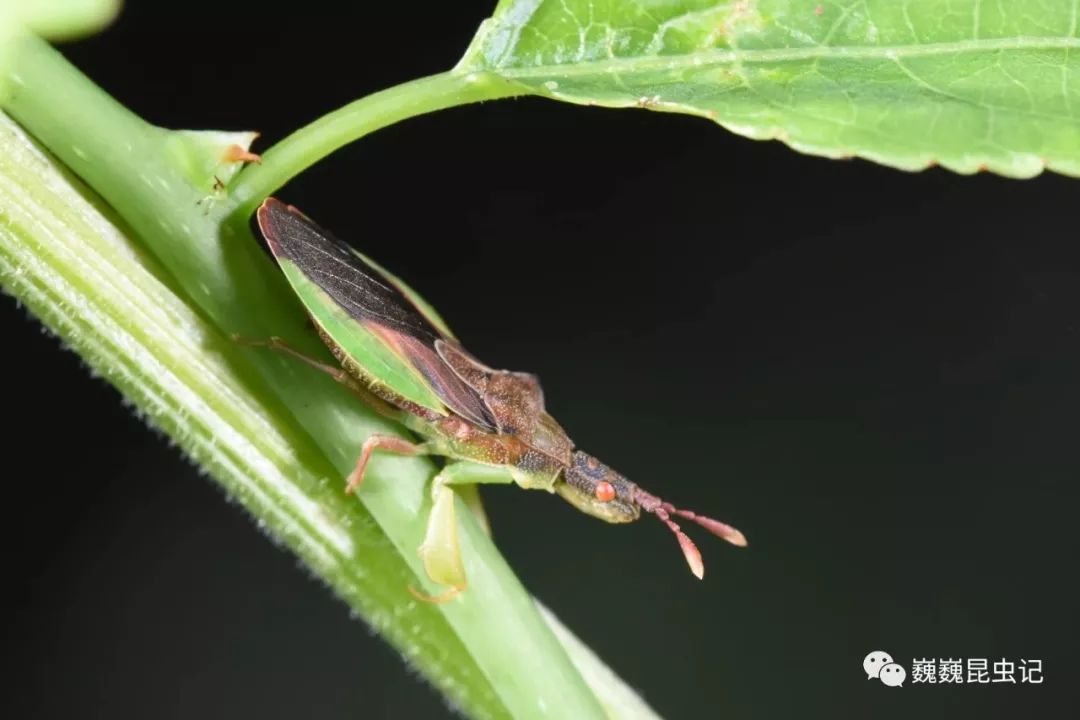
column 466, row 476
column 276, row 343
column 464, row 472
column 440, row 552
column 373, row 401
column 378, row 441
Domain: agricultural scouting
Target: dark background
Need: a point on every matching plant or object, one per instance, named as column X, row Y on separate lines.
column 874, row 374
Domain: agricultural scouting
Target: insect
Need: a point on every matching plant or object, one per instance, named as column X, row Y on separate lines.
column 399, row 356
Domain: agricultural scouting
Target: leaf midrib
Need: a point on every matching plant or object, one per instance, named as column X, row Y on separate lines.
column 780, row 55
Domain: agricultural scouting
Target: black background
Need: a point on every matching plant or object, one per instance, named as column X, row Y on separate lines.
column 874, row 374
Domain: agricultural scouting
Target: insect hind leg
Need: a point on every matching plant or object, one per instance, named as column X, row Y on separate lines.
column 276, row 343
column 339, row 374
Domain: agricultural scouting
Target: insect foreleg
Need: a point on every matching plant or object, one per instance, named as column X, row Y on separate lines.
column 464, row 472
column 466, row 476
column 440, row 552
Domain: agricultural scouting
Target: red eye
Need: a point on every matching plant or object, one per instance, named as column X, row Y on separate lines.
column 605, row 491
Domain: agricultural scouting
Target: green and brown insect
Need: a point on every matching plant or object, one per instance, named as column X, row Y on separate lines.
column 398, row 355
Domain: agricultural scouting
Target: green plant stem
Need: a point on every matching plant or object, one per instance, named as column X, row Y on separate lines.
column 311, row 143
column 64, row 257
column 151, row 177
column 132, row 164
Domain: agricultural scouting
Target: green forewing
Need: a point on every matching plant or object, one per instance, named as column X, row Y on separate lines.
column 382, row 363
column 386, row 332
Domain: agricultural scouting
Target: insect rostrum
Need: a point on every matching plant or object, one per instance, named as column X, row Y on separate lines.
column 399, row 356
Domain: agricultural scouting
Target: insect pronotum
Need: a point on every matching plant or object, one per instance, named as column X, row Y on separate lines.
column 399, row 356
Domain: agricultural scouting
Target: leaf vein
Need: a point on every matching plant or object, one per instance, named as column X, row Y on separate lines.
column 780, row 55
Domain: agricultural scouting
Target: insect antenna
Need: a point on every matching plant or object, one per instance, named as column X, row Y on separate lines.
column 664, row 510
column 717, row 528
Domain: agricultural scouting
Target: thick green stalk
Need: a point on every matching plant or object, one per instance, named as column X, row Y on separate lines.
column 161, row 184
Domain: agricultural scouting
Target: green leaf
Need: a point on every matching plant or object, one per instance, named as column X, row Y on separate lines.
column 966, row 84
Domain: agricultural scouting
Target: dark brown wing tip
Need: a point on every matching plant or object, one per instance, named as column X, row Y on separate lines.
column 270, row 214
column 273, row 205
column 264, row 216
